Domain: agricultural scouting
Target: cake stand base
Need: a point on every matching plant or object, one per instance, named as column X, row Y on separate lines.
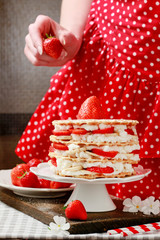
column 95, row 198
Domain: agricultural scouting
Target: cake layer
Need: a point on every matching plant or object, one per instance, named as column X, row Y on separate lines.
column 82, row 169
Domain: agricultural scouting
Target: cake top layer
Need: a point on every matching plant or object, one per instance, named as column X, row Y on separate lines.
column 96, row 121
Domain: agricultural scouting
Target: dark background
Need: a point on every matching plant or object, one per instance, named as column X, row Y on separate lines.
column 22, row 85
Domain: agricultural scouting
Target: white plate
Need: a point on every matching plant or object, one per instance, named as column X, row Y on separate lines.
column 5, row 182
column 43, row 170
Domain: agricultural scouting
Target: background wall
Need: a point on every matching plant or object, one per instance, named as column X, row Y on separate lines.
column 22, row 85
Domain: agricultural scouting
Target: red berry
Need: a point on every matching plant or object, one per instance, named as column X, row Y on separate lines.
column 129, row 131
column 18, row 172
column 30, row 180
column 101, row 170
column 44, row 183
column 54, row 162
column 136, row 151
column 103, row 131
column 56, row 185
column 61, row 133
column 34, row 162
column 52, row 47
column 91, row 109
column 60, row 146
column 76, row 210
column 100, row 152
column 79, row 131
column 51, row 149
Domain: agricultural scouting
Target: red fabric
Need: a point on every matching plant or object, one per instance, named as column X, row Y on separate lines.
column 119, row 63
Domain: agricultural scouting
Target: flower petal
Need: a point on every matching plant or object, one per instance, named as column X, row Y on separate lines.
column 136, row 200
column 66, row 226
column 127, row 202
column 59, row 220
column 53, row 226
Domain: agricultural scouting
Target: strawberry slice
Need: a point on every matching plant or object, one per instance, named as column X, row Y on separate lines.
column 136, row 151
column 54, row 161
column 129, row 131
column 51, row 149
column 100, row 152
column 79, row 131
column 103, row 131
column 101, row 170
column 61, row 133
column 60, row 146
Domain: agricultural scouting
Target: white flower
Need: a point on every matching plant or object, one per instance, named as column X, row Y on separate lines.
column 132, row 205
column 150, row 206
column 60, row 226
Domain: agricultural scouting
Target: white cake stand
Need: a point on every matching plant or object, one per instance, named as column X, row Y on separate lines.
column 91, row 192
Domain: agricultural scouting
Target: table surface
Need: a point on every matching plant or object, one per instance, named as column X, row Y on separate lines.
column 15, row 224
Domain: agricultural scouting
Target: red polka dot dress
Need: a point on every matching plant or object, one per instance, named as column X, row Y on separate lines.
column 119, row 62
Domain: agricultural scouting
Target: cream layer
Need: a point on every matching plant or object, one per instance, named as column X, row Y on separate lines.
column 66, row 167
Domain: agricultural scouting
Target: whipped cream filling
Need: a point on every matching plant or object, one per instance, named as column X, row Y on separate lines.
column 65, row 167
column 104, row 138
column 86, row 155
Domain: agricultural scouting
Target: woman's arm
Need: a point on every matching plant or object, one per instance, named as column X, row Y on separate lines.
column 70, row 30
column 74, row 15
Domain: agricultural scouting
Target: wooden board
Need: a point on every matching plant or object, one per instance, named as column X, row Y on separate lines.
column 44, row 210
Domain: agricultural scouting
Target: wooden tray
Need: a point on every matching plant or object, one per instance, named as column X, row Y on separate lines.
column 44, row 210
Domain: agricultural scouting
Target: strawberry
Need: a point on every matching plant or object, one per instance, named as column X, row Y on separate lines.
column 34, row 162
column 18, row 172
column 30, row 180
column 61, row 133
column 129, row 131
column 100, row 152
column 76, row 210
column 103, row 131
column 60, row 146
column 54, row 162
column 137, row 151
column 101, row 170
column 56, row 185
column 79, row 131
column 44, row 183
column 91, row 109
column 51, row 149
column 52, row 46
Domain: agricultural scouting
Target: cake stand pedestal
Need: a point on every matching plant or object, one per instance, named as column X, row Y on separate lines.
column 95, row 197
column 91, row 192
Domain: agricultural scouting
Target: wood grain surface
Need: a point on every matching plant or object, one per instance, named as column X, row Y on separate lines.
column 44, row 210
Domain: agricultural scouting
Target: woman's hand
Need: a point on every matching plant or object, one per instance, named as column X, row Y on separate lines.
column 34, row 42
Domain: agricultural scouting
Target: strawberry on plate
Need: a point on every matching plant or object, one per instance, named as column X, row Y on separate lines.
column 76, row 210
column 52, row 46
column 30, row 180
column 56, row 185
column 44, row 183
column 91, row 109
column 17, row 172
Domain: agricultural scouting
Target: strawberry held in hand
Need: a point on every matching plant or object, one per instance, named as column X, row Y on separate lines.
column 76, row 210
column 91, row 109
column 52, row 46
